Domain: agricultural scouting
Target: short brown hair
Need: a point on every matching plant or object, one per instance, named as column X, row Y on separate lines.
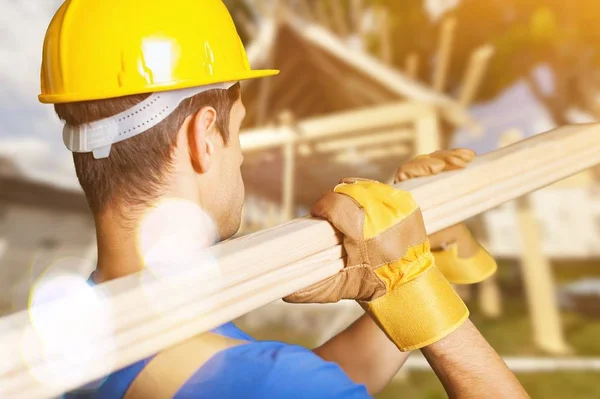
column 133, row 174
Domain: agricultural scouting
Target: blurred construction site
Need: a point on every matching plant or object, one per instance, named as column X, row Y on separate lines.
column 364, row 86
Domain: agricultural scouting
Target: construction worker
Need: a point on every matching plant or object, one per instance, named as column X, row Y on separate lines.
column 149, row 94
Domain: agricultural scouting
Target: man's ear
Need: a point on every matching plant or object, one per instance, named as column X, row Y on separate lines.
column 199, row 133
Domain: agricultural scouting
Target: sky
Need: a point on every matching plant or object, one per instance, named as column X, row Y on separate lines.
column 30, row 133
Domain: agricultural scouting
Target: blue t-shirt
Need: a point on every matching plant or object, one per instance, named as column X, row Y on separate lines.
column 258, row 369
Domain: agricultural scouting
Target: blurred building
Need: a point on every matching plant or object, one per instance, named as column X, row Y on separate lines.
column 41, row 226
column 569, row 219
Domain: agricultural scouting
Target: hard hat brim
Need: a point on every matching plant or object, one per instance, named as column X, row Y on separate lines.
column 164, row 86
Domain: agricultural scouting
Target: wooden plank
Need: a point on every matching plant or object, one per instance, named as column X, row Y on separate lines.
column 358, row 156
column 289, row 168
column 444, row 53
column 362, row 119
column 263, row 138
column 427, row 138
column 490, row 298
column 147, row 314
column 366, row 140
column 340, row 124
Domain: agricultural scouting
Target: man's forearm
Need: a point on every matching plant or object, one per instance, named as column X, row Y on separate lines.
column 468, row 366
column 365, row 353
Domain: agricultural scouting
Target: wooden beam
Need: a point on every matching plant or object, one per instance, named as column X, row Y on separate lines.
column 286, row 119
column 444, row 53
column 490, row 298
column 362, row 119
column 478, row 63
column 411, row 65
column 148, row 313
column 340, row 124
column 358, row 155
column 427, row 138
column 366, row 140
column 263, row 138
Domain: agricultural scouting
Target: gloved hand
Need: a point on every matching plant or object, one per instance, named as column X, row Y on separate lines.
column 389, row 269
column 458, row 255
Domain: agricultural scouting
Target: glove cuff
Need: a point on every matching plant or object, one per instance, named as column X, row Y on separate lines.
column 465, row 270
column 420, row 312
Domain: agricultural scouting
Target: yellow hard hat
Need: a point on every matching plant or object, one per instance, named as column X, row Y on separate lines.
column 99, row 49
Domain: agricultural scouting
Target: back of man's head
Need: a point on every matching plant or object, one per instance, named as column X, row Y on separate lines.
column 134, row 174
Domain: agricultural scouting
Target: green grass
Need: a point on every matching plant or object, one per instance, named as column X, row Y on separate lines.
column 424, row 385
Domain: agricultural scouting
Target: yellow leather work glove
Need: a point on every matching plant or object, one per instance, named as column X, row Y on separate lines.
column 389, row 267
column 458, row 255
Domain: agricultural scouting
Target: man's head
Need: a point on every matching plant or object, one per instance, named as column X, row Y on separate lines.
column 194, row 153
column 186, row 149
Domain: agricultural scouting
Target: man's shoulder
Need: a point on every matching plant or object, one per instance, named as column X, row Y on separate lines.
column 255, row 369
column 268, row 369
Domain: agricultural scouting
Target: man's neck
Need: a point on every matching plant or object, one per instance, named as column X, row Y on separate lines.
column 118, row 255
column 171, row 234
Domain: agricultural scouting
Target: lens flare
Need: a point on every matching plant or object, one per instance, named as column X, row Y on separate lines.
column 71, row 328
column 173, row 240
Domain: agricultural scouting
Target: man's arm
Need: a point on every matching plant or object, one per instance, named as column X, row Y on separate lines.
column 468, row 366
column 365, row 354
column 391, row 272
column 464, row 361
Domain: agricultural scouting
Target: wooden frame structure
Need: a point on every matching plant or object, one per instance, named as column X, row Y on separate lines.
column 276, row 262
column 322, row 75
column 381, row 134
